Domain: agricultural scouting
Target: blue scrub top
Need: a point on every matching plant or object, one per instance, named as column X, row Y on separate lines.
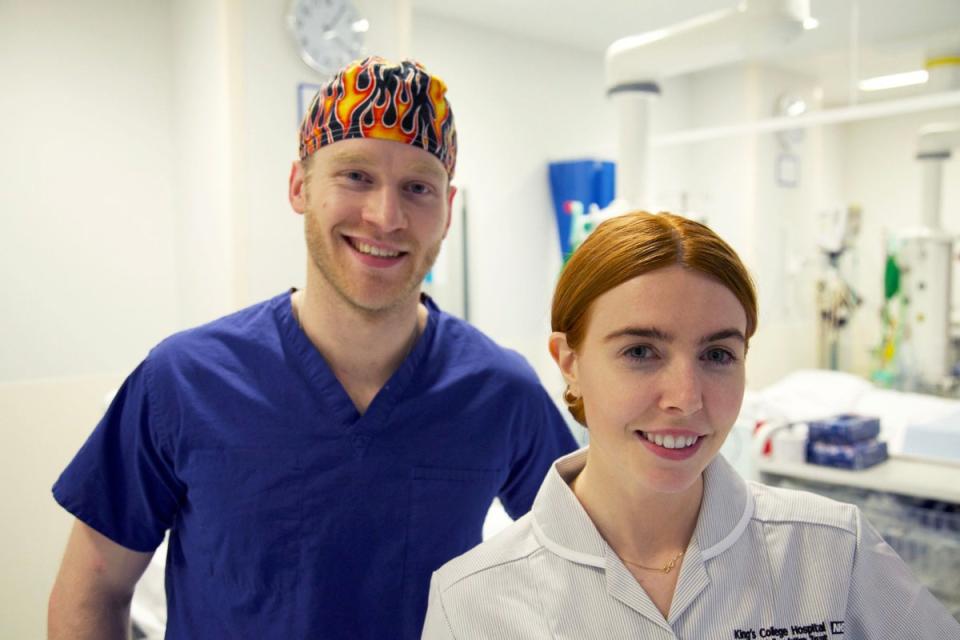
column 290, row 514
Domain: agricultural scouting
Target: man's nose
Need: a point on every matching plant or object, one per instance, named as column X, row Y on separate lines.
column 384, row 210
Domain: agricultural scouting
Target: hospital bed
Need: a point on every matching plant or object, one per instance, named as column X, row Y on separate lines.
column 913, row 498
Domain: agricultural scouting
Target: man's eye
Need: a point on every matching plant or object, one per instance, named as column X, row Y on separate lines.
column 419, row 188
column 355, row 175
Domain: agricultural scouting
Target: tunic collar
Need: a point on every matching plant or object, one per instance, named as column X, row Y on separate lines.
column 564, row 527
column 559, row 520
column 725, row 511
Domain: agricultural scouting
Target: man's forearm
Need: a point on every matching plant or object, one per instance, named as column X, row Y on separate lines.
column 91, row 596
column 70, row 617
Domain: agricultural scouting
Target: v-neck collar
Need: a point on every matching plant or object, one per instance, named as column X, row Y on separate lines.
column 329, row 392
column 563, row 527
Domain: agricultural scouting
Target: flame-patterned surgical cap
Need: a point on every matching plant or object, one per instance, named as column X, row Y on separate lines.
column 374, row 98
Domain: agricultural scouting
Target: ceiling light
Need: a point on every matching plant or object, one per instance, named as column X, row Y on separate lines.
column 796, row 108
column 791, row 106
column 810, row 23
column 893, row 81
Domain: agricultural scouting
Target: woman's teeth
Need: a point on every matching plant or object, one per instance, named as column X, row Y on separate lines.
column 670, row 442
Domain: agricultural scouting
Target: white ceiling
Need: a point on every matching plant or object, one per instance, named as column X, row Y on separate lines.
column 892, row 35
column 592, row 25
column 584, row 24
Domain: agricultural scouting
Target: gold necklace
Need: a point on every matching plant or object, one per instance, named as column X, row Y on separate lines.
column 665, row 569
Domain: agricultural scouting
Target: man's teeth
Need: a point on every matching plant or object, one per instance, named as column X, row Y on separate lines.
column 670, row 442
column 369, row 249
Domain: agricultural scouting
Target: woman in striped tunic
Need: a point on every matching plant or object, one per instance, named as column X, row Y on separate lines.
column 648, row 532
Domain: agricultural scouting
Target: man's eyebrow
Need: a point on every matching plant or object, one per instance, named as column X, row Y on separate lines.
column 351, row 157
column 422, row 166
column 640, row 332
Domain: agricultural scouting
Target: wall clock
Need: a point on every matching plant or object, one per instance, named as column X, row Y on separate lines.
column 328, row 33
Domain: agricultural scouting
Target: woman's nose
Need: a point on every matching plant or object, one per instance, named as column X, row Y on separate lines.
column 682, row 390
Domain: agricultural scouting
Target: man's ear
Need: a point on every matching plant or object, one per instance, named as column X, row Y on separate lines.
column 296, row 191
column 566, row 359
column 452, row 191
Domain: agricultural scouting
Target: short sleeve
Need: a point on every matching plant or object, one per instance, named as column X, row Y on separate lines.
column 886, row 600
column 542, row 437
column 121, row 482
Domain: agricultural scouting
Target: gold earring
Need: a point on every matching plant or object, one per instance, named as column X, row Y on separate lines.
column 570, row 397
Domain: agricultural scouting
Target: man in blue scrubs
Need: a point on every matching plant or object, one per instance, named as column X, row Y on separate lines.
column 315, row 456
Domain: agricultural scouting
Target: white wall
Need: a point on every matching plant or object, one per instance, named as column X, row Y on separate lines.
column 86, row 234
column 43, row 423
column 275, row 257
column 730, row 183
column 208, row 136
column 518, row 105
column 87, row 251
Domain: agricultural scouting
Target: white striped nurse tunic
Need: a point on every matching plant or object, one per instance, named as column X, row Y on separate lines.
column 762, row 563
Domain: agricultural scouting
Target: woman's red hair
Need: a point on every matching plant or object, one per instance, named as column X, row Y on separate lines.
column 633, row 244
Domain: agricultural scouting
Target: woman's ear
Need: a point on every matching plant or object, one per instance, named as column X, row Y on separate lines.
column 566, row 359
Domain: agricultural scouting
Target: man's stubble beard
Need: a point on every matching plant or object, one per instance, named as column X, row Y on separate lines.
column 320, row 253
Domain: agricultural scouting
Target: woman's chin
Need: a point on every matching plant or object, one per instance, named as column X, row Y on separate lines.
column 673, row 481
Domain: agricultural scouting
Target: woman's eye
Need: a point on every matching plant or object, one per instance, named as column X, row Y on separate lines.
column 719, row 356
column 639, row 352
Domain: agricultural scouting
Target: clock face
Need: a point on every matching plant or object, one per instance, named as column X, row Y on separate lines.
column 329, row 33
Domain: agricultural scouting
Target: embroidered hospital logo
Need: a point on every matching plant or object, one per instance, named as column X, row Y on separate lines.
column 811, row 631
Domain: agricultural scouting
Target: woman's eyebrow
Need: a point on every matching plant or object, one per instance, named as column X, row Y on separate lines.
column 651, row 333
column 723, row 335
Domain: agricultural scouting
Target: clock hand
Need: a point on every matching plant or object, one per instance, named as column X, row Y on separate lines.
column 336, row 18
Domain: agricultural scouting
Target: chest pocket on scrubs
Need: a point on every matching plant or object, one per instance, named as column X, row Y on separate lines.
column 244, row 518
column 447, row 511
